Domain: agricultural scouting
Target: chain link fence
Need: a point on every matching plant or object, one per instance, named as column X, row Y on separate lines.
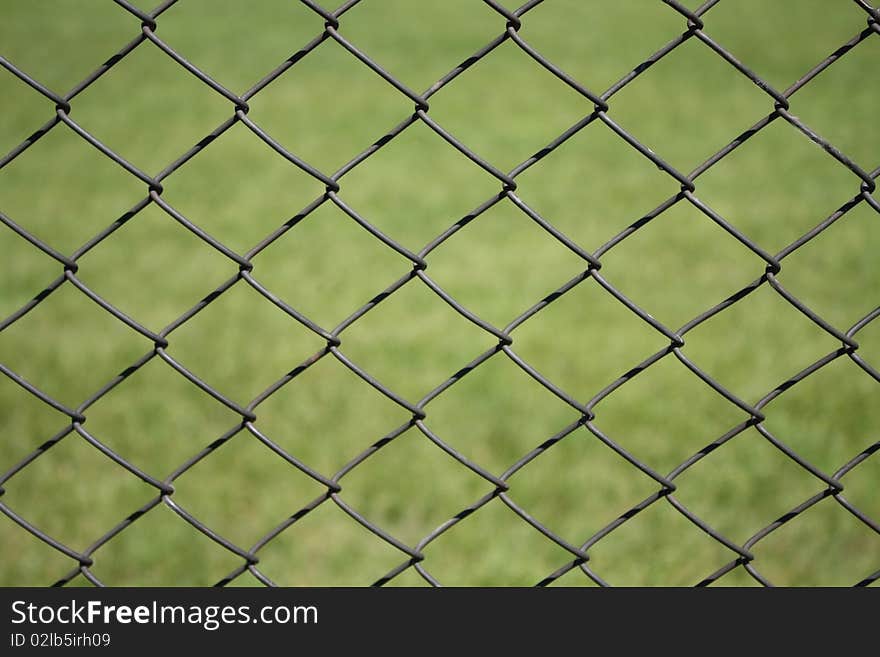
column 697, row 27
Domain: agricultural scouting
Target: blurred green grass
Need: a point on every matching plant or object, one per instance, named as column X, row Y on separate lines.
column 328, row 108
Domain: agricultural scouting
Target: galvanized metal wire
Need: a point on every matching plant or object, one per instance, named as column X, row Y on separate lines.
column 696, row 25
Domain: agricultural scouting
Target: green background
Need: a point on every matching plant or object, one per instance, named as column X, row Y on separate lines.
column 326, row 109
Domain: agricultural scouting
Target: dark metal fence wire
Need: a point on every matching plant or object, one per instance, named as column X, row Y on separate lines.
column 412, row 555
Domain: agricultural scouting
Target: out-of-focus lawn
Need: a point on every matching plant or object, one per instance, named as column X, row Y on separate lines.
column 328, row 108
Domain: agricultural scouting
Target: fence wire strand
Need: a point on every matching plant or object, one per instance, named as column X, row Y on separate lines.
column 696, row 25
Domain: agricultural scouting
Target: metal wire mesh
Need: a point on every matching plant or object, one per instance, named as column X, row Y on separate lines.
column 830, row 484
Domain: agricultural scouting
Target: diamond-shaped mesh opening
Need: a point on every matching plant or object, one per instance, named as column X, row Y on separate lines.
column 743, row 486
column 600, row 46
column 658, row 547
column 568, row 341
column 252, row 39
column 31, row 347
column 37, row 563
column 664, row 415
column 138, row 420
column 823, row 546
column 821, row 32
column 61, row 61
column 327, row 415
column 766, row 341
column 31, row 111
column 417, row 186
column 467, row 554
column 527, row 264
column 841, row 107
column 681, row 249
column 496, row 414
column 276, row 343
column 153, row 269
column 407, row 42
column 404, row 465
column 211, row 490
column 770, row 209
column 829, row 417
column 29, row 425
column 45, row 495
column 571, row 188
column 698, row 89
column 327, row 266
column 413, row 341
column 148, row 92
column 831, row 273
column 25, row 271
column 81, row 191
column 165, row 548
column 212, row 189
column 577, row 486
column 505, row 107
column 323, row 95
column 318, row 549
